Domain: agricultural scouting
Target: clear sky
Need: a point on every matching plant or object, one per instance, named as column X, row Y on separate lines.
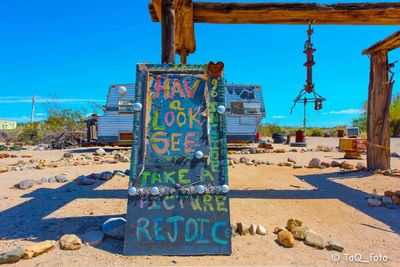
column 75, row 49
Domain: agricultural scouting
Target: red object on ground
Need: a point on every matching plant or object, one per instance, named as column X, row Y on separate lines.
column 257, row 136
column 300, row 136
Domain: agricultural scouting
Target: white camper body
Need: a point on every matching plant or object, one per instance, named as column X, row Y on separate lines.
column 244, row 112
column 116, row 125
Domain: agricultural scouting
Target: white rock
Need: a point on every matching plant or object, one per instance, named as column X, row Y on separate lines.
column 261, row 230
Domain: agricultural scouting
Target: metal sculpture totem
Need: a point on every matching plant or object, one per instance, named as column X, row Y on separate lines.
column 309, row 86
column 178, row 192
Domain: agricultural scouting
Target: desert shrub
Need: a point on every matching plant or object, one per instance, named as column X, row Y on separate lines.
column 395, row 115
column 394, row 120
column 268, row 129
column 30, row 133
column 315, row 132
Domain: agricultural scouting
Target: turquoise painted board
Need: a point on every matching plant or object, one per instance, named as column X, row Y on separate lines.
column 178, row 200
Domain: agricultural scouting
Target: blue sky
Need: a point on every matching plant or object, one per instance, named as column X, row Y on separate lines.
column 73, row 50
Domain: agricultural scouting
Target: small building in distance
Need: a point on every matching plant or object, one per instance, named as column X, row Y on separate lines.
column 7, row 124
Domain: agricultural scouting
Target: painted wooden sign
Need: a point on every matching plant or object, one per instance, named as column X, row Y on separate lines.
column 178, row 194
column 353, row 144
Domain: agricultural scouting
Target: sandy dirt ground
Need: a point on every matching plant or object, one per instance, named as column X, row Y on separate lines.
column 326, row 200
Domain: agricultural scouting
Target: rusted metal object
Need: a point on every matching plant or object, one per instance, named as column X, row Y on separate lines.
column 303, row 97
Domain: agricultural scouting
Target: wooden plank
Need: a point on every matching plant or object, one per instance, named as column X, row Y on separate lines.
column 378, row 154
column 294, row 13
column 389, row 43
column 168, row 31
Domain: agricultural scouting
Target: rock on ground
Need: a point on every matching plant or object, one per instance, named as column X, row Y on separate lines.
column 347, row 165
column 70, row 242
column 277, row 230
column 396, row 200
column 332, row 244
column 388, row 193
column 93, row 238
column 361, row 166
column 387, row 200
column 115, row 227
column 11, row 256
column 314, row 163
column 334, row 163
column 121, row 157
column 292, row 223
column 252, row 229
column 374, row 202
column 314, row 239
column 242, row 228
column 285, row 238
column 261, row 230
column 61, row 179
column 68, row 155
column 83, row 180
column 299, row 232
column 100, row 152
column 106, row 176
column 38, row 248
column 25, row 184
column 233, row 230
column 244, row 160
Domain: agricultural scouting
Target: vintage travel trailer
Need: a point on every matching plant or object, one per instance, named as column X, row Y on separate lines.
column 244, row 110
column 116, row 125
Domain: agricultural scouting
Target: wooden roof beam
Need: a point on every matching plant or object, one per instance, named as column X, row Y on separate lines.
column 294, row 13
column 389, row 43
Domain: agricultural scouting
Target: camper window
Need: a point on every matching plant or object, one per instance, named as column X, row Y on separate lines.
column 248, row 108
column 252, row 107
column 237, row 107
column 125, row 105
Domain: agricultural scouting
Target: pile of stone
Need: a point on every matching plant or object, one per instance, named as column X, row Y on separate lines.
column 322, row 148
column 114, row 227
column 247, row 161
column 244, row 229
column 389, row 199
column 318, row 164
column 93, row 177
column 295, row 230
column 389, row 172
column 265, row 145
column 66, row 242
column 248, row 151
column 28, row 183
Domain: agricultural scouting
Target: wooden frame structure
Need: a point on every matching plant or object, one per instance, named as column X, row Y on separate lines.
column 177, row 18
column 379, row 97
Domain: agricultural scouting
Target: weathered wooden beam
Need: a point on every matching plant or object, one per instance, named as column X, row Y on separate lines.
column 378, row 153
column 168, row 31
column 184, row 28
column 294, row 13
column 389, row 43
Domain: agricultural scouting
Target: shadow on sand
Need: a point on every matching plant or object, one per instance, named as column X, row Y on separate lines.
column 327, row 188
column 29, row 220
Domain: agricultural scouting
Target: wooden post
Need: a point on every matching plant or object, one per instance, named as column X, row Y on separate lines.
column 168, row 31
column 183, row 54
column 378, row 154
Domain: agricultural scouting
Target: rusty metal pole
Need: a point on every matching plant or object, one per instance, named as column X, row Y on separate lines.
column 168, row 32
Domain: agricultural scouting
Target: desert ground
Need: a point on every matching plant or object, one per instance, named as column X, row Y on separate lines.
column 329, row 201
